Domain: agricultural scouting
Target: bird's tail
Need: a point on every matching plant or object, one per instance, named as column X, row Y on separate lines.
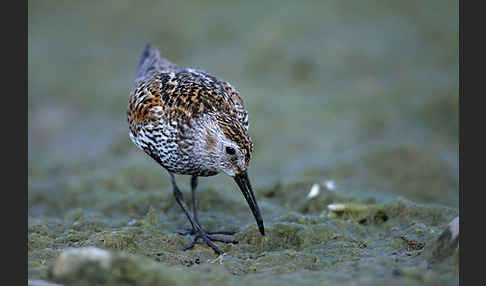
column 151, row 62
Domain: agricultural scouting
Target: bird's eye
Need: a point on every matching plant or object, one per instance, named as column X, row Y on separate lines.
column 230, row 150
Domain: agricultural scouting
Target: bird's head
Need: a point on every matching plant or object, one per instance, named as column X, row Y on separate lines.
column 226, row 147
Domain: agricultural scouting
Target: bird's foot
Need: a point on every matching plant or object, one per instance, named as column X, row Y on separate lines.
column 208, row 238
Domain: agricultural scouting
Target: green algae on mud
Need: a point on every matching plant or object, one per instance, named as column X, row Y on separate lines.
column 391, row 238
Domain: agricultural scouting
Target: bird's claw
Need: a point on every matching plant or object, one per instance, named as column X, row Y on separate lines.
column 208, row 238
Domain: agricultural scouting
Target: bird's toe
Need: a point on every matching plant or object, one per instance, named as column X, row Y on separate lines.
column 209, row 238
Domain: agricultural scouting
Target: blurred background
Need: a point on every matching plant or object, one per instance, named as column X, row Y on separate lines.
column 363, row 93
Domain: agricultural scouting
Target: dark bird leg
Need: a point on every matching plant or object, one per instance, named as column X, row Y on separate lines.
column 194, row 198
column 194, row 206
column 197, row 230
column 194, row 209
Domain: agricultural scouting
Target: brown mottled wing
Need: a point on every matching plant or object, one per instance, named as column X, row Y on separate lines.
column 196, row 92
column 145, row 102
column 241, row 113
column 229, row 99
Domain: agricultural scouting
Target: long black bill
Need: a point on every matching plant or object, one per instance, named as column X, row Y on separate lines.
column 245, row 187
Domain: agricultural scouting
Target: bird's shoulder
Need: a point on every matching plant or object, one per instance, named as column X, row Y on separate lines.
column 190, row 92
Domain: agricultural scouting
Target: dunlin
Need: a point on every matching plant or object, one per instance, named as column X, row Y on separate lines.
column 192, row 123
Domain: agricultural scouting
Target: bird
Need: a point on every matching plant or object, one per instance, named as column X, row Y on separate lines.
column 193, row 123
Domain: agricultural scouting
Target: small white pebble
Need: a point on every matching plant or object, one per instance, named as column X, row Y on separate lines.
column 329, row 185
column 314, row 191
column 336, row 207
column 454, row 227
column 71, row 258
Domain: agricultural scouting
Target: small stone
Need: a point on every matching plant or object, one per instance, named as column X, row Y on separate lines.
column 95, row 266
column 70, row 260
column 314, row 191
column 329, row 185
column 38, row 282
column 447, row 242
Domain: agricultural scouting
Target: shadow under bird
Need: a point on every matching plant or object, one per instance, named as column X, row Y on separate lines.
column 192, row 123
